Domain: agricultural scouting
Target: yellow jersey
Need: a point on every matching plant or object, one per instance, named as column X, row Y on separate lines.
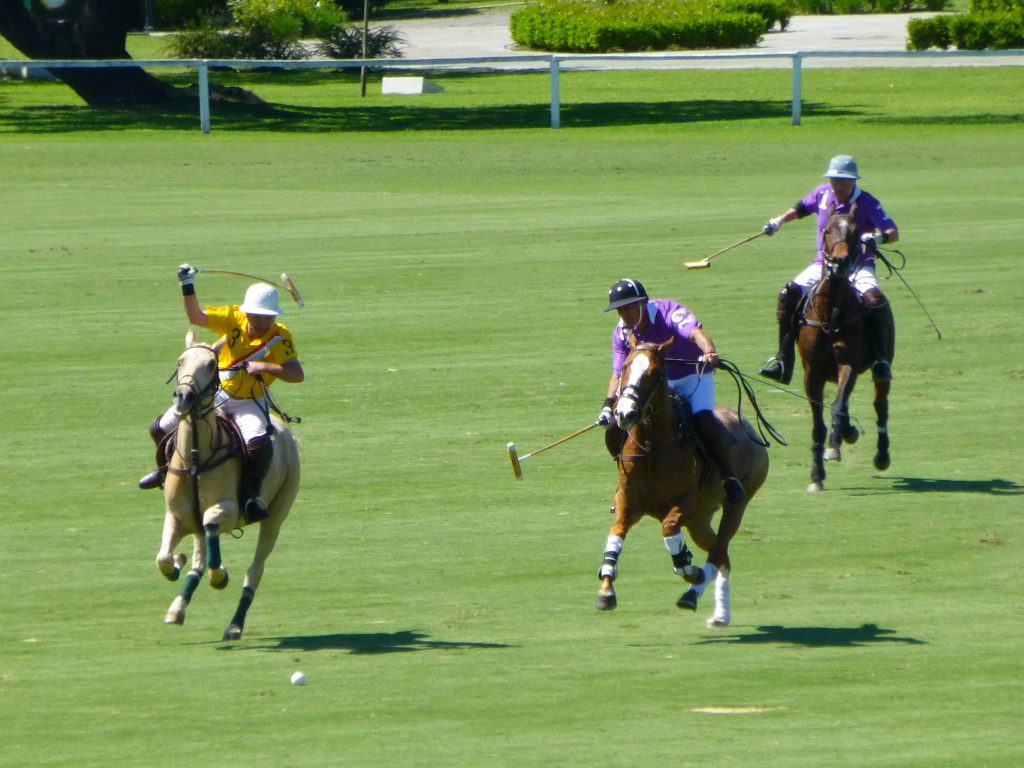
column 275, row 346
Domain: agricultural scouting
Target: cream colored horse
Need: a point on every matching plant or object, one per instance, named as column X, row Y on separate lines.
column 204, row 469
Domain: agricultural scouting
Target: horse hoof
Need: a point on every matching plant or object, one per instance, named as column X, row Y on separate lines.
column 174, row 617
column 218, row 578
column 851, row 436
column 688, row 602
column 714, row 621
column 815, row 487
column 881, row 461
column 234, row 632
column 606, row 602
column 832, row 454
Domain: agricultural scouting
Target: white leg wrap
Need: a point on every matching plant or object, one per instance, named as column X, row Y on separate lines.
column 675, row 544
column 722, row 614
column 610, row 566
column 710, row 573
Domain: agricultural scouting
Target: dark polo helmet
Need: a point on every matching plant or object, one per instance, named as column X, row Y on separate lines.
column 625, row 292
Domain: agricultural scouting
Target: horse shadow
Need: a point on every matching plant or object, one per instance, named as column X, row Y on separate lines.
column 403, row 641
column 816, row 637
column 994, row 487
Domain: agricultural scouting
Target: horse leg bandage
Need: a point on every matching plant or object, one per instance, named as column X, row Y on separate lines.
column 681, row 555
column 610, row 564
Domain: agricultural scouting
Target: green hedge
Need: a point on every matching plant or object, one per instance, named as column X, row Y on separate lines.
column 996, row 30
column 592, row 26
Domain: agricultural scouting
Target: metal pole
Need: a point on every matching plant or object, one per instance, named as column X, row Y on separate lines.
column 362, row 69
column 204, row 98
column 556, row 120
column 797, row 59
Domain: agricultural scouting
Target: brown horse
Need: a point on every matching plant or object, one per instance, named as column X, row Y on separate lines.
column 663, row 473
column 201, row 489
column 833, row 348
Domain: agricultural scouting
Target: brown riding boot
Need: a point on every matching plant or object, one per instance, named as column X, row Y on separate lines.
column 259, row 457
column 717, row 439
column 780, row 367
column 154, row 479
column 879, row 334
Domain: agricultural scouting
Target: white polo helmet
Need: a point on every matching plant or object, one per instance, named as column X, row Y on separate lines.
column 842, row 167
column 261, row 299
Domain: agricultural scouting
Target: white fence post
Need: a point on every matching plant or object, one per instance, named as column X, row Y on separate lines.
column 556, row 119
column 797, row 67
column 204, row 97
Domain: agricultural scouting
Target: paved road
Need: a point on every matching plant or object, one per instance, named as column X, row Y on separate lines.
column 485, row 33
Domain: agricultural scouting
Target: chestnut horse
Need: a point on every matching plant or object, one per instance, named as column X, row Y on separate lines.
column 201, row 489
column 834, row 349
column 665, row 474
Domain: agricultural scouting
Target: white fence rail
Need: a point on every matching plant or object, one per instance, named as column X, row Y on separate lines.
column 553, row 62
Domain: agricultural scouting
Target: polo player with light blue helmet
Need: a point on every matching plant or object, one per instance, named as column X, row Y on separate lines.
column 840, row 194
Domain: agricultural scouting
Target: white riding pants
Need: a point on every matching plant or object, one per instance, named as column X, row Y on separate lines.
column 249, row 415
column 862, row 280
column 697, row 389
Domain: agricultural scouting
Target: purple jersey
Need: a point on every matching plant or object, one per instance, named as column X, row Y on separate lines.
column 869, row 216
column 666, row 319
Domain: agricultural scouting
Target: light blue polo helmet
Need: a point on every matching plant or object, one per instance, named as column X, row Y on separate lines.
column 842, row 167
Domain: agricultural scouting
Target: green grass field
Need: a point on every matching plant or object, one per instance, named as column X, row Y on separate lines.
column 454, row 274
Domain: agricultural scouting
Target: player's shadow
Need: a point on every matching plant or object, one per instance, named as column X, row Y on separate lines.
column 815, row 637
column 403, row 641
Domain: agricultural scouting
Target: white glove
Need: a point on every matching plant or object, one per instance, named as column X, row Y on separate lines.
column 872, row 239
column 186, row 274
column 606, row 416
column 772, row 226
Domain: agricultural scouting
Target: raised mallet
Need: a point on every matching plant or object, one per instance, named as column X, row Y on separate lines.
column 286, row 283
column 706, row 261
column 516, row 459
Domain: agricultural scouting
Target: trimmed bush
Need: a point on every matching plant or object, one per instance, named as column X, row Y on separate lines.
column 588, row 26
column 970, row 32
column 772, row 11
column 182, row 14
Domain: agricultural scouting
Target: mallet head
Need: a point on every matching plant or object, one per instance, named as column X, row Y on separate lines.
column 290, row 287
column 513, row 457
column 702, row 264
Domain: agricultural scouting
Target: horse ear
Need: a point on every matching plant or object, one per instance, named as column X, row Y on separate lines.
column 190, row 338
column 853, row 211
column 666, row 344
column 218, row 345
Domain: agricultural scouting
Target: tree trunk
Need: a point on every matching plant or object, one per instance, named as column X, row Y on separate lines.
column 99, row 32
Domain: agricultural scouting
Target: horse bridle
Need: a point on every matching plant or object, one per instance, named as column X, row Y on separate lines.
column 204, row 393
column 632, row 392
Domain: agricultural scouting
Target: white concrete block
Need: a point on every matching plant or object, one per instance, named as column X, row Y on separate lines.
column 408, row 85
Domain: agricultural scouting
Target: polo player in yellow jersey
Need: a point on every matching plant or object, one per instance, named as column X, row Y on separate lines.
column 257, row 350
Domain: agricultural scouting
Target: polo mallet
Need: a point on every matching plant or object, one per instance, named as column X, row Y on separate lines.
column 517, row 460
column 286, row 283
column 706, row 261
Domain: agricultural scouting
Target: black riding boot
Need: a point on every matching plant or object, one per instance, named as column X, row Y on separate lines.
column 780, row 367
column 718, row 440
column 154, row 479
column 879, row 334
column 260, row 455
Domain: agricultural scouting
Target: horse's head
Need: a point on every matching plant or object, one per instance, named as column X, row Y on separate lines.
column 841, row 242
column 642, row 372
column 196, row 375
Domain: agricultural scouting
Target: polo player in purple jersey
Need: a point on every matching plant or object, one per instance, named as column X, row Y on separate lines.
column 840, row 194
column 689, row 364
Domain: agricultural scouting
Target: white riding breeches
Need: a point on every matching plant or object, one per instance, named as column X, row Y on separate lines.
column 862, row 280
column 250, row 415
column 697, row 389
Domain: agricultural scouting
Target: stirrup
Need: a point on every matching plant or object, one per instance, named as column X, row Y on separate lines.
column 881, row 371
column 152, row 480
column 775, row 368
column 255, row 511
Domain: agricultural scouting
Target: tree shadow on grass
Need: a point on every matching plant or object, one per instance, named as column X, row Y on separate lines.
column 403, row 641
column 994, row 487
column 815, row 637
column 379, row 118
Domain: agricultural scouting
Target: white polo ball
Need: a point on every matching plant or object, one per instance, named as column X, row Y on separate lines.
column 298, row 678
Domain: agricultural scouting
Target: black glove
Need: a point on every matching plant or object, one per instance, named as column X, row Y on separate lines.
column 187, row 276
